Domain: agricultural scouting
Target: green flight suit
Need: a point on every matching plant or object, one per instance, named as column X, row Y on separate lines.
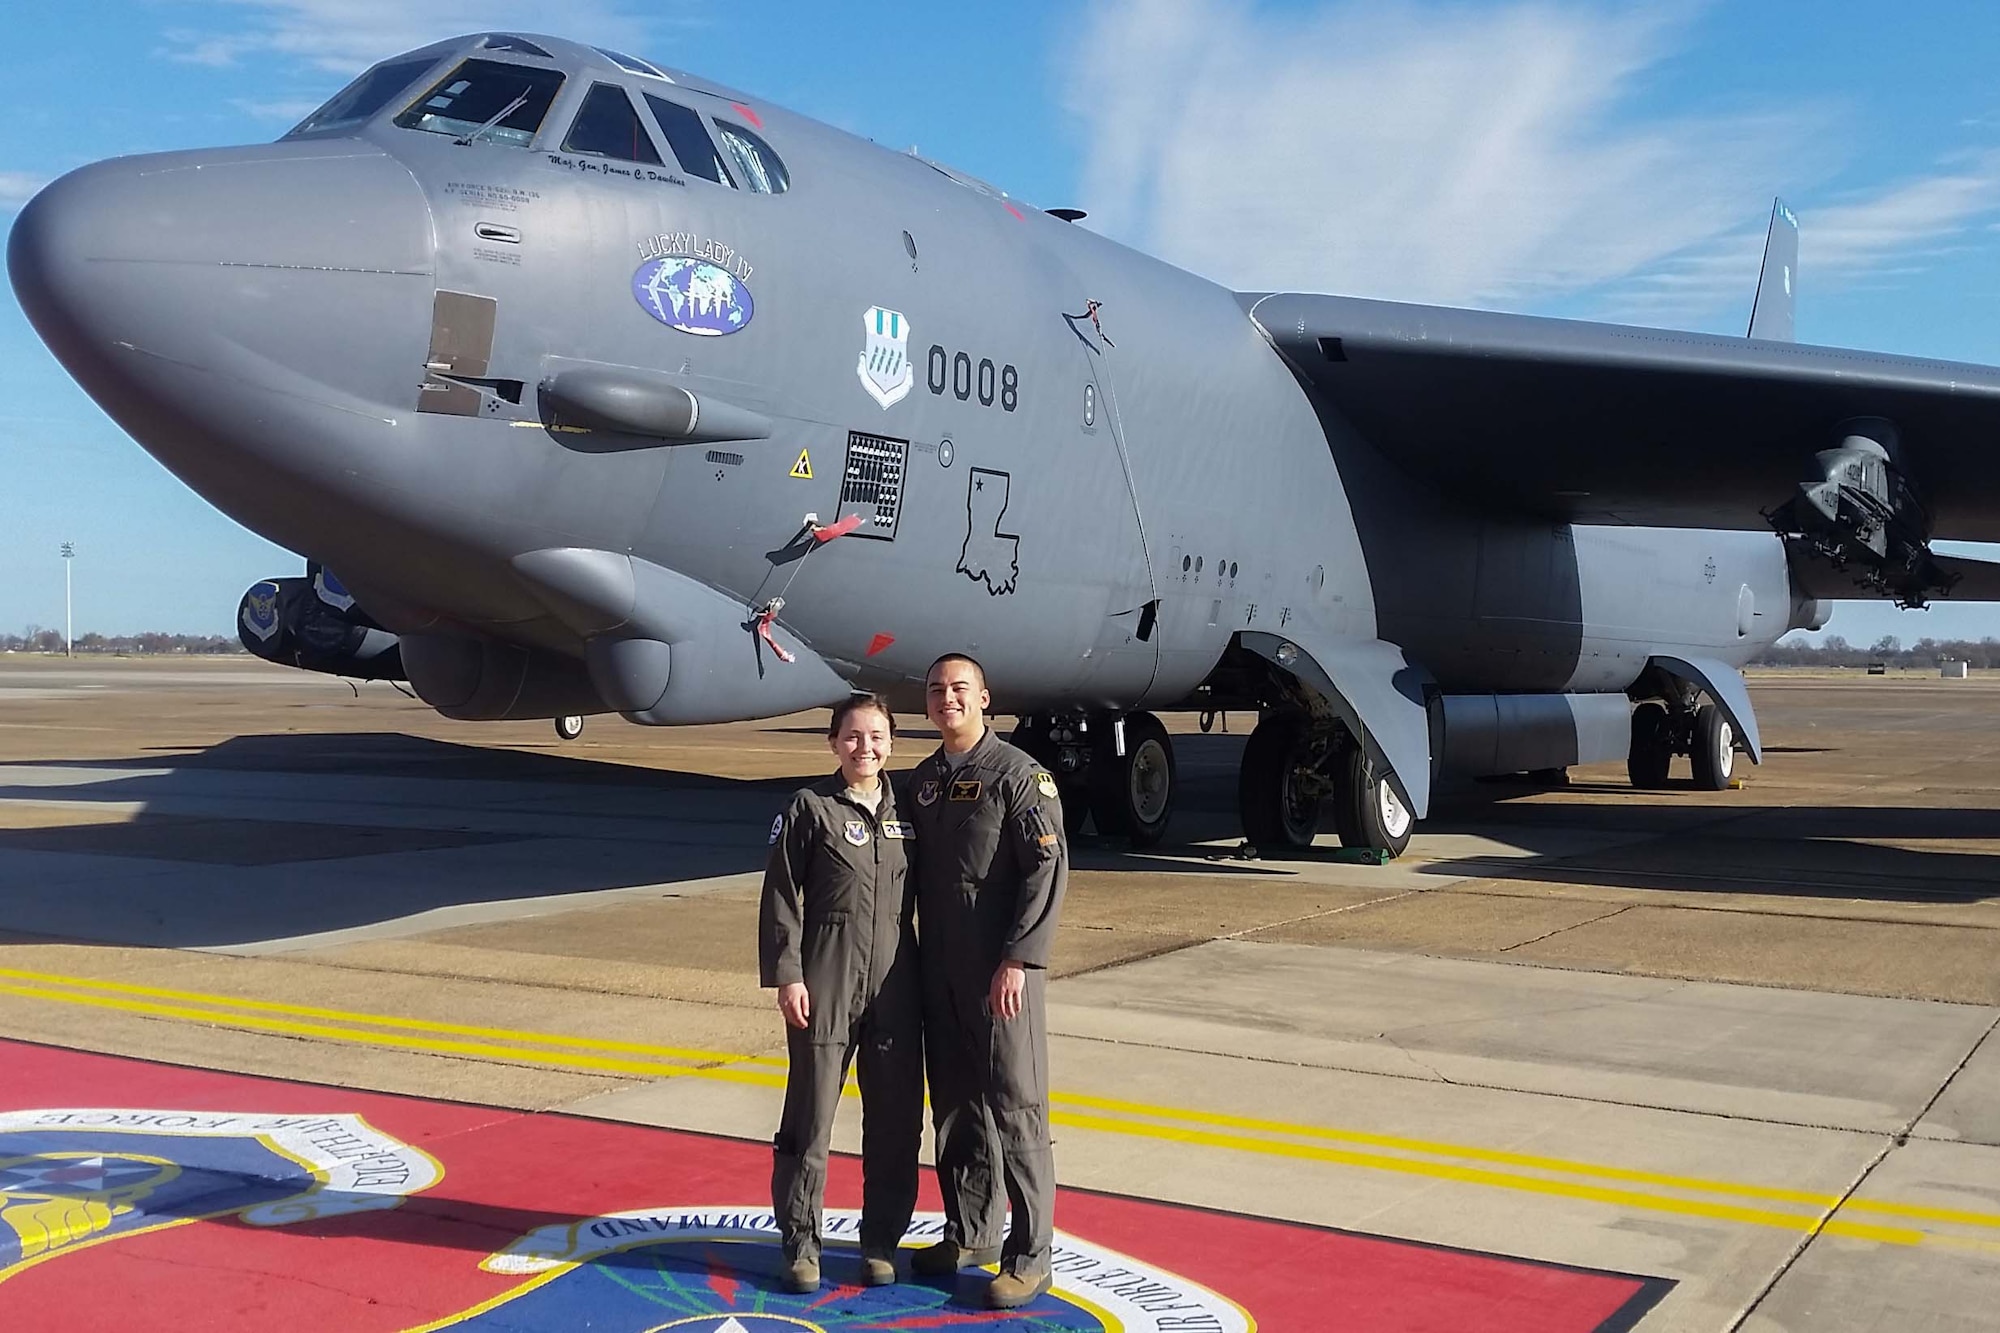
column 992, row 866
column 836, row 914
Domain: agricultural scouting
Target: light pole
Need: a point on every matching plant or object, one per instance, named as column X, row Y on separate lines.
column 69, row 641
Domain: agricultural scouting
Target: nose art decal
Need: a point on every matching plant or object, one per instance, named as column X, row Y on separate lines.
column 693, row 296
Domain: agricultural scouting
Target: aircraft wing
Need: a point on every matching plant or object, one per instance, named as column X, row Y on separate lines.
column 1600, row 423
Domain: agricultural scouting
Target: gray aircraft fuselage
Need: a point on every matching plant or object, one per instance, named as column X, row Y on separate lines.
column 1093, row 506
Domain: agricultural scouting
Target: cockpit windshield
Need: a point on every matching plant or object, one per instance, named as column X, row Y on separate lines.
column 760, row 169
column 364, row 97
column 632, row 64
column 486, row 99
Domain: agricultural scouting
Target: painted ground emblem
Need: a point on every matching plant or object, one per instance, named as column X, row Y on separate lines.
column 884, row 367
column 76, row 1178
column 716, row 1270
column 693, row 296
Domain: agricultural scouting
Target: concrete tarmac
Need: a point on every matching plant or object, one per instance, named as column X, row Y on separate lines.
column 1738, row 1040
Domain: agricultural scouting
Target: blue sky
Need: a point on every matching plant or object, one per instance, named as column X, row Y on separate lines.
column 1590, row 160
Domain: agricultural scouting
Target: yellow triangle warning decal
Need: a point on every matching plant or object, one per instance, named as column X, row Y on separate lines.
column 803, row 469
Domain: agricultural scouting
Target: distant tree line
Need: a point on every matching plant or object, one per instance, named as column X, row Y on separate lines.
column 1834, row 651
column 35, row 639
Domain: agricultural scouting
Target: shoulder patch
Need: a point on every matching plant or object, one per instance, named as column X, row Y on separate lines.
column 1046, row 785
column 966, row 789
column 777, row 830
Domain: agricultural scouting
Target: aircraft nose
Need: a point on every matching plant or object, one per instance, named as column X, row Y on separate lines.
column 175, row 284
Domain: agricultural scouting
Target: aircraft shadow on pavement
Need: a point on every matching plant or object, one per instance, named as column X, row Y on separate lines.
column 272, row 837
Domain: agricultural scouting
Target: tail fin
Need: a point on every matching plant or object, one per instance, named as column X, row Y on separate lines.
column 1771, row 313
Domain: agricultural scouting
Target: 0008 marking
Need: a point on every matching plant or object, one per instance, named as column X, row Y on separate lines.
column 955, row 371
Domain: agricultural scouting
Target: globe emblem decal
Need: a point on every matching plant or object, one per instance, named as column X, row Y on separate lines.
column 692, row 295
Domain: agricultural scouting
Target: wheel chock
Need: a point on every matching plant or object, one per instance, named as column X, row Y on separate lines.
column 1360, row 856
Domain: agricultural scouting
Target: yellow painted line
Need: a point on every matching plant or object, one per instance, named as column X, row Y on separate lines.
column 377, row 1020
column 1473, row 1175
column 1116, row 1116
column 425, row 1045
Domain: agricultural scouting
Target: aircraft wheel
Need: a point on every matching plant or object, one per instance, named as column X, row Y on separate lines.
column 1279, row 787
column 569, row 728
column 1714, row 748
column 1133, row 796
column 1367, row 812
column 1652, row 746
column 1031, row 736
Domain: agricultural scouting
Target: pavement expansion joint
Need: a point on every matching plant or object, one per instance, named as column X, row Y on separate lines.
column 1574, row 925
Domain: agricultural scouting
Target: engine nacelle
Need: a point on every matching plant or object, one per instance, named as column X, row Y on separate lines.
column 477, row 679
column 313, row 623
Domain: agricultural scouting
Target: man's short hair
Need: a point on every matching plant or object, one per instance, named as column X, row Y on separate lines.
column 972, row 662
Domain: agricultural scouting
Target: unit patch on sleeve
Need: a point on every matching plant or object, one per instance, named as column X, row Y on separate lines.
column 1046, row 785
column 777, row 830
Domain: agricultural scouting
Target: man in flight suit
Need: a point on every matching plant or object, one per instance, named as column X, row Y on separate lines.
column 991, row 866
column 836, row 937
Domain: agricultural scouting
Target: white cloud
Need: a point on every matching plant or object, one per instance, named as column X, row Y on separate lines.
column 346, row 35
column 285, row 109
column 18, row 187
column 1493, row 156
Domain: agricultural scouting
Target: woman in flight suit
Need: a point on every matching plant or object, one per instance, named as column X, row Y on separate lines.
column 836, row 937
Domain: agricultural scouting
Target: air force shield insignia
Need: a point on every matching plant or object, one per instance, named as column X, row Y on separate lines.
column 927, row 792
column 857, row 832
column 884, row 367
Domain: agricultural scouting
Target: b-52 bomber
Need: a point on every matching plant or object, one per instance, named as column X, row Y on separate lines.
column 588, row 385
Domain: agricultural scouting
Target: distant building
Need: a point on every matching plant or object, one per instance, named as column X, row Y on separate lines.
column 1951, row 668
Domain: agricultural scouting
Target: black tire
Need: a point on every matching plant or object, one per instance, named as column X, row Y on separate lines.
column 1652, row 746
column 1074, row 789
column 1277, row 795
column 1714, row 749
column 569, row 728
column 1367, row 812
column 1132, row 796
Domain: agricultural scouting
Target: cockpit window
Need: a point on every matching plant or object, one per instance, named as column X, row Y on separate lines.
column 486, row 99
column 688, row 137
column 364, row 97
column 760, row 169
column 609, row 127
column 632, row 64
column 507, row 41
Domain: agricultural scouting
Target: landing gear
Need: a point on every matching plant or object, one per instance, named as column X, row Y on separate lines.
column 1129, row 795
column 1294, row 768
column 1366, row 810
column 1132, row 795
column 1662, row 729
column 1282, row 784
column 1652, row 746
column 569, row 728
column 1060, row 746
column 1714, row 748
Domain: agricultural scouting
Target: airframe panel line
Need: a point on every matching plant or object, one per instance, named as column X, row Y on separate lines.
column 1206, row 1129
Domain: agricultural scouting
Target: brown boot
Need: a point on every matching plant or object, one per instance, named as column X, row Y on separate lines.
column 1014, row 1288
column 946, row 1257
column 878, row 1268
column 802, row 1275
